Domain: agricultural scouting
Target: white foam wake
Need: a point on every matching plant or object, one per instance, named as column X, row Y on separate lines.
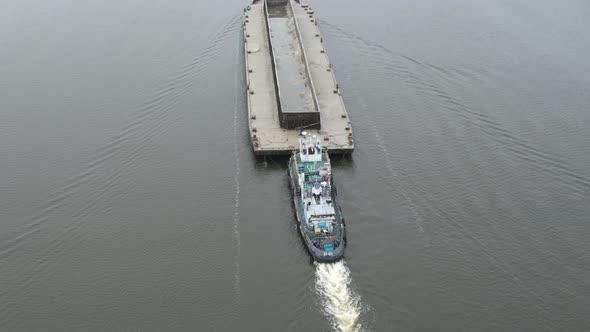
column 340, row 304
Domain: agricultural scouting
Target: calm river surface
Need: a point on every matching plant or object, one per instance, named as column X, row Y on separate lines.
column 130, row 199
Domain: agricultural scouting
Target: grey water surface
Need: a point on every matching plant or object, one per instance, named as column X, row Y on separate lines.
column 130, row 199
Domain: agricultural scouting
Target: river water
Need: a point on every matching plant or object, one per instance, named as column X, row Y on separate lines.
column 130, row 198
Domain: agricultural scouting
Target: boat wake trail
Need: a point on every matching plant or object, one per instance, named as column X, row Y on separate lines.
column 237, row 198
column 237, row 209
column 340, row 304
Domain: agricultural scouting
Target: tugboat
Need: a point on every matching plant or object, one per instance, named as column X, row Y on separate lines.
column 319, row 217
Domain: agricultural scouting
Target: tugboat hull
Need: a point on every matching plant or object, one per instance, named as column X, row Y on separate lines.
column 319, row 255
column 338, row 235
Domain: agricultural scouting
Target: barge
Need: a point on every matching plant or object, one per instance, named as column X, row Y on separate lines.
column 290, row 84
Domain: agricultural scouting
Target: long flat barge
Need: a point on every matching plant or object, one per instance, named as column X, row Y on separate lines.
column 290, row 83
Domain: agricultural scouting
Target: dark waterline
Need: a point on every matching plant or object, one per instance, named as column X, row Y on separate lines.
column 130, row 198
